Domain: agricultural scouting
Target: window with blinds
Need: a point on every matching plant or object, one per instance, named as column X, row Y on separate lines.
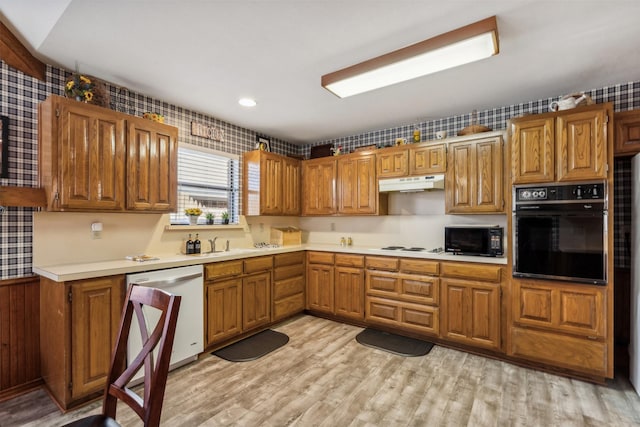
column 207, row 180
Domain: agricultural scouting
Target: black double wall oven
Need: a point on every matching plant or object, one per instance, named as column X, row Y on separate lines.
column 560, row 232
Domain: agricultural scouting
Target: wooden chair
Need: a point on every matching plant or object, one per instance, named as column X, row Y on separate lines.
column 149, row 407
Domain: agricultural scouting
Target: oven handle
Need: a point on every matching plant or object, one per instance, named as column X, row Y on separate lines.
column 168, row 282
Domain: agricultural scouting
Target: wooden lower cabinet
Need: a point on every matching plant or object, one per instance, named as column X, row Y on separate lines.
column 238, row 297
column 471, row 312
column 224, row 310
column 560, row 324
column 471, row 304
column 349, row 292
column 79, row 322
column 256, row 301
column 288, row 284
column 403, row 293
column 320, row 276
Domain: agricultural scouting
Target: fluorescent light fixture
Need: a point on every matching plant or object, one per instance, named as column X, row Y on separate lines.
column 247, row 102
column 461, row 46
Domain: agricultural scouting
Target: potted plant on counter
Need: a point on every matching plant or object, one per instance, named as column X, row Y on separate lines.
column 210, row 217
column 225, row 217
column 193, row 214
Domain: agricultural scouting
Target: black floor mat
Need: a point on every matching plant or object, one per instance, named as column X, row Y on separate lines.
column 253, row 347
column 392, row 343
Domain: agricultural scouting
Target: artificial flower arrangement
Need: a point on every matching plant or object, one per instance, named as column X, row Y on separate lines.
column 156, row 117
column 193, row 212
column 79, row 87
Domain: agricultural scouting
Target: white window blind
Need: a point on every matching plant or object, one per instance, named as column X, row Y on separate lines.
column 207, row 180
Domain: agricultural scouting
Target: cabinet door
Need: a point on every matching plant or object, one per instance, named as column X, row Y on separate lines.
column 224, row 310
column 319, row 185
column 349, row 292
column 581, row 146
column 91, row 155
column 488, row 196
column 460, row 186
column 291, row 187
column 320, row 288
column 627, row 134
column 271, row 181
column 152, row 162
column 427, row 159
column 471, row 312
column 357, row 185
column 392, row 162
column 532, row 151
column 568, row 308
column 96, row 307
column 256, row 301
column 474, row 177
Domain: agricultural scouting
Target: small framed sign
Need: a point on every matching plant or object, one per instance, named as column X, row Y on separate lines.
column 4, row 147
column 263, row 143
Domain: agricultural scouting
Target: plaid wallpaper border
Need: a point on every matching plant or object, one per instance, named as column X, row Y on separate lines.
column 20, row 95
column 624, row 97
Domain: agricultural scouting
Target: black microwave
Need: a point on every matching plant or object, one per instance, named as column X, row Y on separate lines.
column 474, row 240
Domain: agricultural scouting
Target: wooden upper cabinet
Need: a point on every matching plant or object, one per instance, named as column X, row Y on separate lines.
column 581, row 145
column 474, row 176
column 271, row 184
column 415, row 159
column 152, row 164
column 570, row 145
column 95, row 159
column 357, row 184
column 532, row 151
column 426, row 159
column 291, row 186
column 393, row 162
column 81, row 156
column 627, row 133
column 319, row 186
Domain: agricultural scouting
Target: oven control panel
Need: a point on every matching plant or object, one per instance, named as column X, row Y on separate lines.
column 561, row 192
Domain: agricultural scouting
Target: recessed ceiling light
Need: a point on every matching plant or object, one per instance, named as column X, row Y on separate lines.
column 247, row 102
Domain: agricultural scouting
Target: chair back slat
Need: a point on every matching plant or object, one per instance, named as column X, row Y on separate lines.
column 148, row 407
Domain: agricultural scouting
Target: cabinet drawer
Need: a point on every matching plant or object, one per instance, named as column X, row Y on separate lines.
column 281, row 273
column 574, row 353
column 486, row 273
column 382, row 283
column 382, row 263
column 320, row 258
column 407, row 316
column 288, row 306
column 419, row 266
column 222, row 269
column 285, row 288
column 290, row 258
column 349, row 260
column 420, row 289
column 253, row 265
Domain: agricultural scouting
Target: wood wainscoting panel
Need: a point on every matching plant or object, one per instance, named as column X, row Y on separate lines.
column 19, row 333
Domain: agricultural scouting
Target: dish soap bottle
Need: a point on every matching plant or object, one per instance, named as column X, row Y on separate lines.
column 196, row 245
column 190, row 246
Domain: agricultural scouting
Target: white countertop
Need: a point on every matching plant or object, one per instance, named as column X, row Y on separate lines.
column 65, row 272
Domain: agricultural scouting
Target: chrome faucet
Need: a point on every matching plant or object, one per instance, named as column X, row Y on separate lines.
column 226, row 249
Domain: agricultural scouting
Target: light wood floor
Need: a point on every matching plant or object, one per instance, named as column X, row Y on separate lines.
column 323, row 377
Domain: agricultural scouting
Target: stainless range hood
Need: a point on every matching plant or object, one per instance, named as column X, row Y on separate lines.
column 411, row 183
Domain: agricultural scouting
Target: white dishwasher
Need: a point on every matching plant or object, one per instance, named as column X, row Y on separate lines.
column 189, row 339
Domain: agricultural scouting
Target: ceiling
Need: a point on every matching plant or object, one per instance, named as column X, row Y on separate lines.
column 205, row 55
